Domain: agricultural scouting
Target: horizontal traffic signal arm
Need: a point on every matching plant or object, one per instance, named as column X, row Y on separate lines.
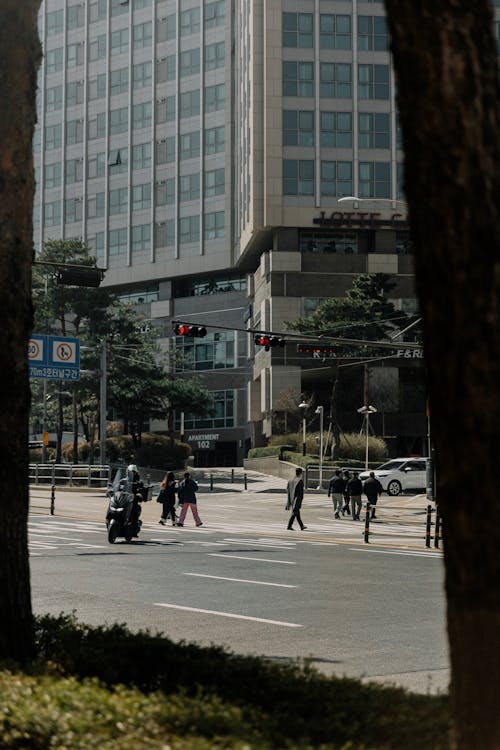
column 186, row 329
column 268, row 342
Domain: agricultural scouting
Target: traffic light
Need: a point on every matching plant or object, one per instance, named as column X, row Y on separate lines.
column 90, row 277
column 184, row 329
column 268, row 341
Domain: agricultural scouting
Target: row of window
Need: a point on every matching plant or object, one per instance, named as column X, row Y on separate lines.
column 335, row 80
column 215, row 352
column 189, row 20
column 335, row 31
column 336, row 178
column 221, row 414
column 336, row 129
column 189, row 229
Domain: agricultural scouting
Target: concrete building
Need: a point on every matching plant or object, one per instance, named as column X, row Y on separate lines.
column 201, row 148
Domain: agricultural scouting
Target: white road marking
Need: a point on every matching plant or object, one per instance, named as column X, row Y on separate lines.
column 228, row 614
column 409, row 553
column 241, row 580
column 269, row 543
column 257, row 559
column 53, row 536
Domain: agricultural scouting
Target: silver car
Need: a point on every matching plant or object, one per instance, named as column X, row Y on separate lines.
column 400, row 474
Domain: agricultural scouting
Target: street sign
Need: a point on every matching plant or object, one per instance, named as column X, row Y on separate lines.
column 54, row 357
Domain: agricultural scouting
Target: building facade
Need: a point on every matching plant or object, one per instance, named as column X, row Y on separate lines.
column 202, row 149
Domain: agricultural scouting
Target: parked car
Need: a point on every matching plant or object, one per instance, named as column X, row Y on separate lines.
column 400, row 474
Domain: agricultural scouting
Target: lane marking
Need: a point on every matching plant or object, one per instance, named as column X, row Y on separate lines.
column 242, row 580
column 228, row 614
column 408, row 553
column 257, row 559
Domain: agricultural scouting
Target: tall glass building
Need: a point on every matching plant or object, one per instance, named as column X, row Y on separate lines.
column 201, row 149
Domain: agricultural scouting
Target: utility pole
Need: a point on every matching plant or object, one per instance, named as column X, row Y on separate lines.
column 102, row 403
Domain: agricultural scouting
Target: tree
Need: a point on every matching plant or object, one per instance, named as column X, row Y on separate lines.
column 448, row 98
column 20, row 56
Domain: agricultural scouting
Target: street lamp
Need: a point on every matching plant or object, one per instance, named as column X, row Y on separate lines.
column 366, row 411
column 319, row 411
column 304, row 406
column 352, row 198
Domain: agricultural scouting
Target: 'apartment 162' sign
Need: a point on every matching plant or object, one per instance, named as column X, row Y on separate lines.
column 54, row 357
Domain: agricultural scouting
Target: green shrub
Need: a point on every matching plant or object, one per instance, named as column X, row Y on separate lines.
column 352, row 445
column 270, row 450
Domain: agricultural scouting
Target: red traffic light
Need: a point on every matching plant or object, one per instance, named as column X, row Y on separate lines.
column 184, row 329
column 268, row 341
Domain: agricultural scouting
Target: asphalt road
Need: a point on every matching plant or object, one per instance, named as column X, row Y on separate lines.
column 374, row 611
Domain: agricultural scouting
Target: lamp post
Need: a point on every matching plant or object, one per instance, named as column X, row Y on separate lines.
column 303, row 406
column 366, row 411
column 319, row 411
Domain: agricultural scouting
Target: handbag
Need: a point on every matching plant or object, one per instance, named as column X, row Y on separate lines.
column 161, row 497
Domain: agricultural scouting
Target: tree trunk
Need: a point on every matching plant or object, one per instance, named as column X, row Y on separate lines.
column 19, row 60
column 446, row 67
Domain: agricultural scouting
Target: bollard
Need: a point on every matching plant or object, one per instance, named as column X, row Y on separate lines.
column 52, row 500
column 428, row 527
column 438, row 529
column 245, row 480
column 211, row 482
column 367, row 523
column 232, row 476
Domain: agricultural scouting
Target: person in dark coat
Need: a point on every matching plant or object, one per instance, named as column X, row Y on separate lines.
column 336, row 488
column 355, row 492
column 346, row 508
column 187, row 496
column 372, row 489
column 295, row 493
column 167, row 496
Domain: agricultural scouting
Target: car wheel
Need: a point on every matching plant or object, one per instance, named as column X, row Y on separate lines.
column 394, row 488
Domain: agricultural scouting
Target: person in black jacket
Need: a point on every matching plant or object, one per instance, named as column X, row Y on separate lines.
column 372, row 489
column 336, row 488
column 295, row 495
column 355, row 491
column 167, row 497
column 346, row 508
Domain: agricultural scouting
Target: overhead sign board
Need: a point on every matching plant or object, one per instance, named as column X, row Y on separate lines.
column 54, row 357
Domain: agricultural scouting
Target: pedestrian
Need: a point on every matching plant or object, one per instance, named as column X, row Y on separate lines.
column 336, row 490
column 187, row 498
column 355, row 491
column 166, row 496
column 346, row 508
column 372, row 489
column 295, row 493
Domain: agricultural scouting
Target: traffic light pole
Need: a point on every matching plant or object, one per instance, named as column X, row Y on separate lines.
column 102, row 403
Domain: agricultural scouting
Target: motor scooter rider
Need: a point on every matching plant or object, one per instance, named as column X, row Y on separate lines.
column 134, row 485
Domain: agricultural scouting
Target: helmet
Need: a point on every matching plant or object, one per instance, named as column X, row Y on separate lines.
column 132, row 467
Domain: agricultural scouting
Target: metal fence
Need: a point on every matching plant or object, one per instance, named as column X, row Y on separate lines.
column 70, row 475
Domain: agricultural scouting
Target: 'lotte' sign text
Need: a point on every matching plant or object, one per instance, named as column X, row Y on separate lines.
column 361, row 220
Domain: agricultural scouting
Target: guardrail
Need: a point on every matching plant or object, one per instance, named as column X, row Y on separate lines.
column 71, row 475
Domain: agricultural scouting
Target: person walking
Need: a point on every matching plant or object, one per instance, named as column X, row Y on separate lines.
column 336, row 490
column 372, row 489
column 187, row 497
column 295, row 493
column 346, row 508
column 166, row 496
column 355, row 492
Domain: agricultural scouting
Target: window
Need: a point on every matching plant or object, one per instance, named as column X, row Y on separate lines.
column 166, row 28
column 165, row 192
column 298, row 78
column 327, row 242
column 95, row 205
column 336, row 178
column 190, row 104
column 189, row 21
column 73, row 210
column 118, row 121
column 214, row 56
column 214, row 97
column 74, row 93
column 297, row 29
column 52, row 214
column 118, row 201
column 214, row 14
column 53, row 99
column 52, row 175
column 298, row 128
column 214, row 225
column 74, row 132
column 165, row 69
column 141, row 237
column 74, row 55
column 54, row 60
column 138, row 4
column 189, row 187
column 214, row 183
column 165, row 150
column 142, row 35
column 222, row 412
column 97, row 87
column 141, row 196
column 118, row 7
column 335, row 80
column 165, row 109
column 96, row 166
column 142, row 75
column 189, row 229
column 75, row 16
column 335, row 31
column 374, row 130
column 372, row 33
column 141, row 116
column 336, row 129
column 54, row 22
column 74, row 171
column 214, row 140
column 117, row 241
column 53, row 137
column 141, row 156
column 298, row 177
column 400, row 184
column 97, row 48
column 373, row 81
column 165, row 233
column 215, row 352
column 118, row 160
column 189, row 62
column 118, row 81
column 119, row 41
column 189, row 145
column 375, row 179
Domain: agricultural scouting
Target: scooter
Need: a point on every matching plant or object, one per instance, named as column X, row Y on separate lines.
column 124, row 509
